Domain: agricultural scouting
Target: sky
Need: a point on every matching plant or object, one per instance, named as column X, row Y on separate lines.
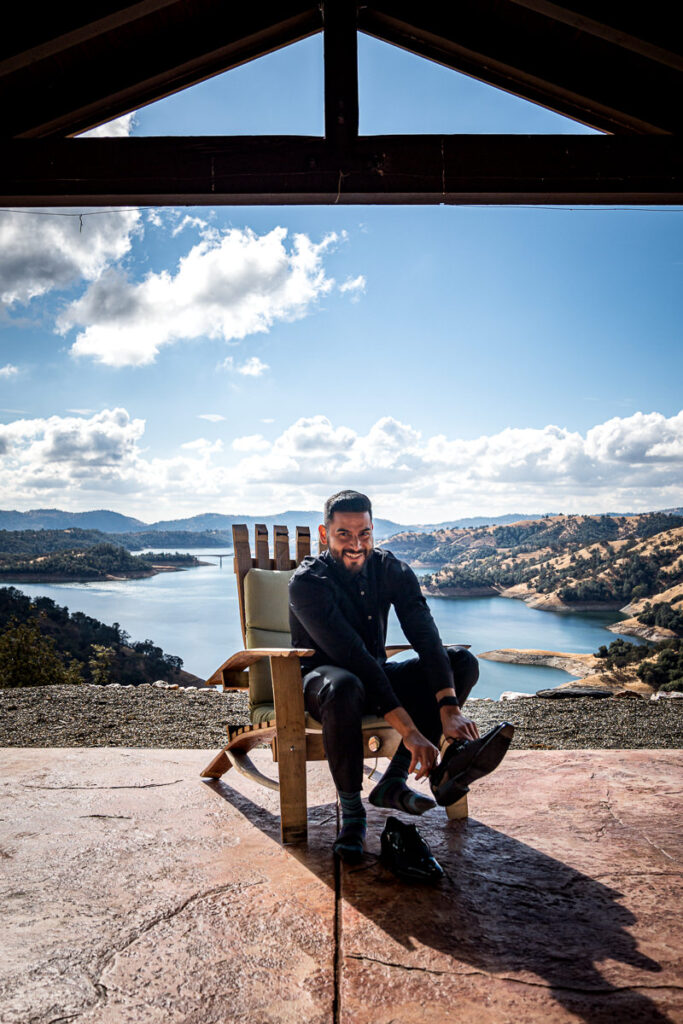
column 449, row 361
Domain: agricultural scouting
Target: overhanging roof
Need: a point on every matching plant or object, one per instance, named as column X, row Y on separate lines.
column 615, row 67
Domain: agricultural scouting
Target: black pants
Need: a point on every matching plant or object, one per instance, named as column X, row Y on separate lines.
column 337, row 699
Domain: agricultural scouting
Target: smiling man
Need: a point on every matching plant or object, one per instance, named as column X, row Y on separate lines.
column 339, row 607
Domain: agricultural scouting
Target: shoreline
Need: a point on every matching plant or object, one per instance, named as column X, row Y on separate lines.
column 146, row 716
column 56, row 577
column 579, row 665
column 632, row 627
column 534, row 599
column 588, row 670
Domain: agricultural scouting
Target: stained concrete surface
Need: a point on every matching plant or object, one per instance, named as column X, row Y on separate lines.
column 134, row 892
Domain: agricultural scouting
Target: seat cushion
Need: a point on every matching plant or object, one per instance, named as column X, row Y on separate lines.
column 266, row 608
column 266, row 713
column 266, row 599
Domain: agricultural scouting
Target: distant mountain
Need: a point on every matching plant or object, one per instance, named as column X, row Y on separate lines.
column 55, row 519
column 34, row 543
column 220, row 526
column 473, row 521
column 290, row 519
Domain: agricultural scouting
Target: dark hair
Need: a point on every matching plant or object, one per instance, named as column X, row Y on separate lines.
column 346, row 501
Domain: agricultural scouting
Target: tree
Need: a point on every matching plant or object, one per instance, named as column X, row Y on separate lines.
column 100, row 664
column 27, row 658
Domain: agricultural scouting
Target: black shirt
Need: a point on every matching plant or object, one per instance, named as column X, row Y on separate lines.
column 343, row 617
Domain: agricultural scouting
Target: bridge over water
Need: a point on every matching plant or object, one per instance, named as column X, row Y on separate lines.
column 220, row 555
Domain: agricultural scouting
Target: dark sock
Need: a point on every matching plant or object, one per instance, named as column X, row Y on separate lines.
column 391, row 791
column 349, row 842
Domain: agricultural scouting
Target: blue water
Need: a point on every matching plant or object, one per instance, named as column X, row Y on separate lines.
column 194, row 614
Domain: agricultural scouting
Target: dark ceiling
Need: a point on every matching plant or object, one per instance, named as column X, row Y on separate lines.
column 616, row 67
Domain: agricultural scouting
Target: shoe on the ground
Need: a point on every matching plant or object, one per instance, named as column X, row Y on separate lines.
column 465, row 761
column 406, row 853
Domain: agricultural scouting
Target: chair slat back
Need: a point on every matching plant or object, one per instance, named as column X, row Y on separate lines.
column 243, row 563
column 281, row 544
column 282, row 559
column 303, row 543
column 261, row 542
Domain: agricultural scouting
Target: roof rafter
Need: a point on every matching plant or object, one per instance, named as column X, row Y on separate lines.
column 76, row 86
column 522, row 48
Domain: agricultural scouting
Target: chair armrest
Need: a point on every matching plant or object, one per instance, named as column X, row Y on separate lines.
column 243, row 659
column 393, row 649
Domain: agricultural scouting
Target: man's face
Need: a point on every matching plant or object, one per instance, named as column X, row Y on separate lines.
column 349, row 539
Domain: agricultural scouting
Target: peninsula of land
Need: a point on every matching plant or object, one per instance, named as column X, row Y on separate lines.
column 633, row 564
column 61, row 556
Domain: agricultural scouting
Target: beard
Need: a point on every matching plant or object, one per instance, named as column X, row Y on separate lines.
column 352, row 567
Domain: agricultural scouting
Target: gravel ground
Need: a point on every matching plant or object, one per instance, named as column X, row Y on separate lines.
column 143, row 716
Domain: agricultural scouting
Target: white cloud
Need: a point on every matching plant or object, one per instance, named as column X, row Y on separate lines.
column 121, row 127
column 212, row 417
column 8, row 370
column 252, row 367
column 39, row 253
column 203, row 446
column 250, row 443
column 634, row 463
column 354, row 286
column 229, row 285
column 191, row 222
column 53, row 248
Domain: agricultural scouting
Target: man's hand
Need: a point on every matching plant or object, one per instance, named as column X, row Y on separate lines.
column 457, row 726
column 422, row 753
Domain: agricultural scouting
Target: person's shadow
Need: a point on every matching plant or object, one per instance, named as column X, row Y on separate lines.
column 503, row 909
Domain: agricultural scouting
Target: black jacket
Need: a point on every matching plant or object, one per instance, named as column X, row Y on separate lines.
column 343, row 617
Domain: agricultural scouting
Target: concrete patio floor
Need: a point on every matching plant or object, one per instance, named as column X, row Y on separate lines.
column 134, row 892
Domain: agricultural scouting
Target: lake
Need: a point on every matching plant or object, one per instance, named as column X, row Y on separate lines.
column 194, row 614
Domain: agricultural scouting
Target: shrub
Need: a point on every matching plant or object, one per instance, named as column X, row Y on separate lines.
column 27, row 658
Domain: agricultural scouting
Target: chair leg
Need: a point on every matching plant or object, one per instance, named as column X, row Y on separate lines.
column 218, row 767
column 291, row 747
column 458, row 810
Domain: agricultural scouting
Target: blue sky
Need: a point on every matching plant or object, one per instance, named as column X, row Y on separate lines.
column 448, row 360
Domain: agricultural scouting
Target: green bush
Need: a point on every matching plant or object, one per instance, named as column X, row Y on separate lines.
column 662, row 614
column 666, row 668
column 102, row 653
column 28, row 658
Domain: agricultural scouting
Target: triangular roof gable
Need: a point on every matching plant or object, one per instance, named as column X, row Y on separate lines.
column 60, row 77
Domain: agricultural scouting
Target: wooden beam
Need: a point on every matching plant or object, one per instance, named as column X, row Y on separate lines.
column 266, row 170
column 73, row 86
column 612, row 24
column 341, row 71
column 60, row 37
column 524, row 50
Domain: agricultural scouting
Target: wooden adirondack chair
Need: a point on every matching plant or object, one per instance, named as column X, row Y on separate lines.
column 269, row 668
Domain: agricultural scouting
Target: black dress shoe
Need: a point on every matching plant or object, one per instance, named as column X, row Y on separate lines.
column 465, row 761
column 406, row 853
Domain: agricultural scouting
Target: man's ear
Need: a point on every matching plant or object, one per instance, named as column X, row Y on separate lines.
column 322, row 534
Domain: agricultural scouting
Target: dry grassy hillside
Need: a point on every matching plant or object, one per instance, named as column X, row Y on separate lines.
column 557, row 562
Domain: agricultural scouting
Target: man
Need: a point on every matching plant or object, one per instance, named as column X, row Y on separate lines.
column 339, row 605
